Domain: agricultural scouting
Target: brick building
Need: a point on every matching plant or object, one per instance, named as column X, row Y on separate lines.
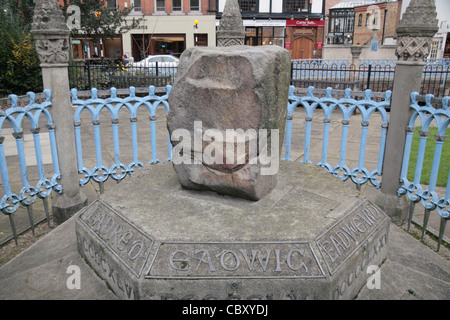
column 382, row 17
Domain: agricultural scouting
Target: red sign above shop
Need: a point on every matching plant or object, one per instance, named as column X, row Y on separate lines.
column 305, row 23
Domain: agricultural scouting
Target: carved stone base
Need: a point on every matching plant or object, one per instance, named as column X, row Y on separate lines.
column 310, row 238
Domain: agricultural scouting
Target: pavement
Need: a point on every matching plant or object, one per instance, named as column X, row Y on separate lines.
column 411, row 271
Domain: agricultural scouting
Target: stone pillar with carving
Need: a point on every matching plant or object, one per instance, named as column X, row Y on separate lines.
column 231, row 29
column 356, row 53
column 51, row 35
column 415, row 32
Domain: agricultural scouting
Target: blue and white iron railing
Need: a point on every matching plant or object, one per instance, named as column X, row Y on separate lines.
column 347, row 106
column 100, row 173
column 428, row 116
column 15, row 116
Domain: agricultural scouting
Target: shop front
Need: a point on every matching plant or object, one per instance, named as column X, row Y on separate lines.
column 104, row 48
column 304, row 38
column 264, row 32
column 168, row 35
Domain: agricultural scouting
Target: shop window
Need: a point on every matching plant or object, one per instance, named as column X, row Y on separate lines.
column 256, row 36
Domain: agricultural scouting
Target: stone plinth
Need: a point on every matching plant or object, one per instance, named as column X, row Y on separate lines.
column 149, row 238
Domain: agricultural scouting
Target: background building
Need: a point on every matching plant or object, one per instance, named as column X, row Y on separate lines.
column 296, row 25
column 372, row 24
column 168, row 26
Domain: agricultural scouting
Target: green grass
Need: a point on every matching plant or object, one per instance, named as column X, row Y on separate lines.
column 444, row 166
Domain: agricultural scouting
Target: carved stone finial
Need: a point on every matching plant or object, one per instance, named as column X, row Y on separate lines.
column 231, row 28
column 416, row 29
column 51, row 33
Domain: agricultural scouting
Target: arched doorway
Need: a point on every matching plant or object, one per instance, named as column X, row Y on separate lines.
column 302, row 48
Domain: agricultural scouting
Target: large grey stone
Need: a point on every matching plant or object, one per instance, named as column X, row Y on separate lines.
column 156, row 240
column 230, row 88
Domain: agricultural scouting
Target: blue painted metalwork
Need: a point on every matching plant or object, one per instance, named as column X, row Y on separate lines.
column 100, row 173
column 428, row 115
column 15, row 115
column 346, row 106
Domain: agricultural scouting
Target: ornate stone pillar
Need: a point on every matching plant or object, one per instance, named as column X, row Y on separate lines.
column 52, row 45
column 415, row 32
column 231, row 29
column 356, row 52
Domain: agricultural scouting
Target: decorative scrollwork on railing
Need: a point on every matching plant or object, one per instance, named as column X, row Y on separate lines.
column 100, row 173
column 347, row 106
column 14, row 116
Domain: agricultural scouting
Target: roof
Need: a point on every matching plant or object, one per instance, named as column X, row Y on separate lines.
column 348, row 4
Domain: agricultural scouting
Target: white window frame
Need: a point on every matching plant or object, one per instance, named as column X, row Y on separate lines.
column 156, row 7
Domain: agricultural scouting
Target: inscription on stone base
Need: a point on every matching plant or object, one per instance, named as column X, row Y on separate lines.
column 128, row 259
column 350, row 233
column 129, row 244
column 218, row 260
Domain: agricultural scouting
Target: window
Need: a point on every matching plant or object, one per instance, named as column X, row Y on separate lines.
column 195, row 5
column 360, row 17
column 160, row 5
column 248, row 5
column 136, row 5
column 375, row 20
column 367, row 19
column 436, row 48
column 296, row 6
column 341, row 26
column 176, row 5
column 256, row 36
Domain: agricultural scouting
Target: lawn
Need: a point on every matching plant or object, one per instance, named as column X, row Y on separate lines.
column 444, row 166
